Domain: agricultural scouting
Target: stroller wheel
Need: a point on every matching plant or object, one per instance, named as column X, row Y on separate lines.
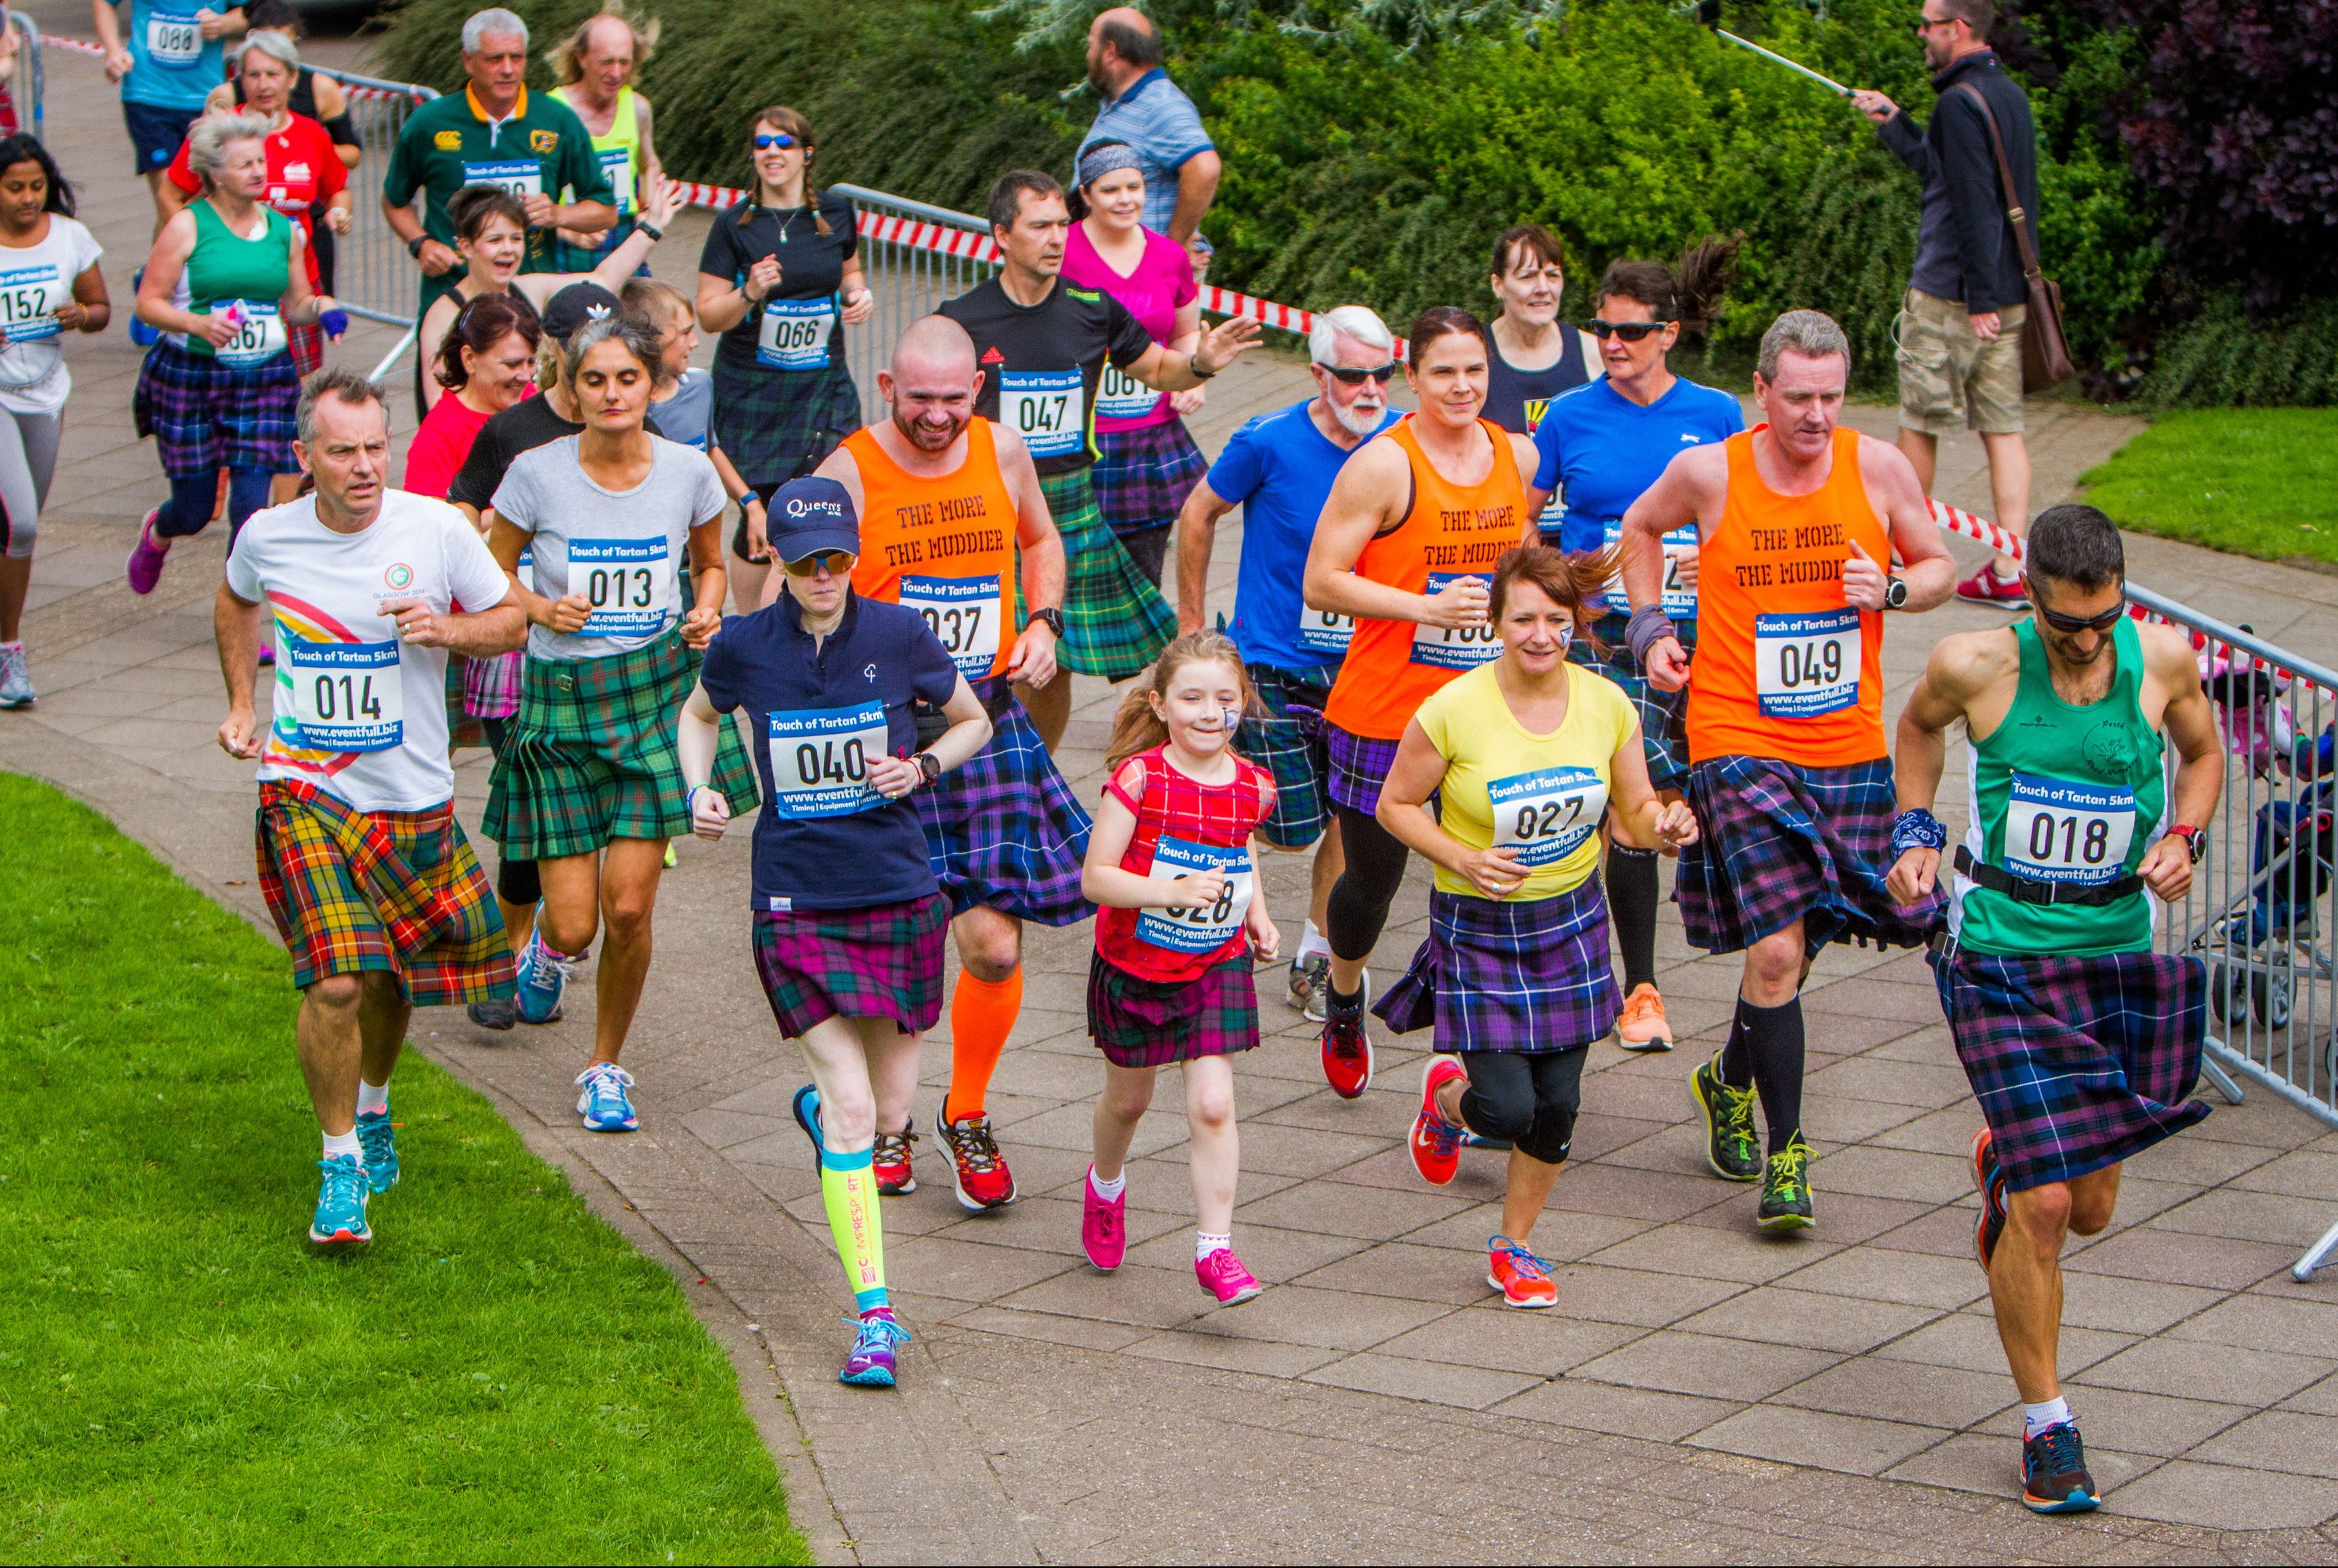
column 2229, row 993
column 2269, row 997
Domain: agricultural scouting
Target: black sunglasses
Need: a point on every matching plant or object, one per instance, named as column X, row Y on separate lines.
column 1349, row 375
column 1630, row 332
column 2101, row 623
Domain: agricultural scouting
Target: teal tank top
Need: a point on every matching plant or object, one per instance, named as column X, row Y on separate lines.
column 226, row 270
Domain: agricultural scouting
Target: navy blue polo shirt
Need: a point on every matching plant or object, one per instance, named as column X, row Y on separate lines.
column 826, row 839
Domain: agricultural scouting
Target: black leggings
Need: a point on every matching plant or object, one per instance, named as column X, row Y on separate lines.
column 1528, row 1100
column 1359, row 906
column 515, row 880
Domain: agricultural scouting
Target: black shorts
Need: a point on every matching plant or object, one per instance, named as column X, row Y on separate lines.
column 155, row 132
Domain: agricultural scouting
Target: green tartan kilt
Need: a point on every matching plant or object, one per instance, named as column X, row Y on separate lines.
column 1116, row 622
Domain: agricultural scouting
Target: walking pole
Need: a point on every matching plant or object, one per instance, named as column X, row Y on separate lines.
column 1708, row 14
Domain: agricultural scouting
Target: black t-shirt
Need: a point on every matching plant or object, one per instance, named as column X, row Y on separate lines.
column 524, row 426
column 1041, row 364
column 1516, row 398
column 805, row 336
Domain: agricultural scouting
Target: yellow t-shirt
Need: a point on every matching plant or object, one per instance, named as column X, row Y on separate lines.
column 1542, row 794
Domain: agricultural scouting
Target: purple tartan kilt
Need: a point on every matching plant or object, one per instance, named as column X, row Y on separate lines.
column 1531, row 975
column 1005, row 832
column 204, row 416
column 883, row 962
column 2078, row 1063
column 491, row 685
column 1143, row 477
column 1359, row 766
column 1140, row 1022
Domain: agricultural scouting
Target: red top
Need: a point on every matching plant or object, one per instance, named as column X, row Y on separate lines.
column 302, row 170
column 440, row 444
column 1182, row 823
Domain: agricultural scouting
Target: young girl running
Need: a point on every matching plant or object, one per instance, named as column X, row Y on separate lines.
column 1170, row 861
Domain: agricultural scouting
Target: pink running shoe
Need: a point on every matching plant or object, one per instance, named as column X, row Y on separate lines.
column 1222, row 1274
column 1104, row 1225
column 144, row 567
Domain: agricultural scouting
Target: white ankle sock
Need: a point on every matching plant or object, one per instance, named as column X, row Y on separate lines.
column 1310, row 943
column 1204, row 1244
column 18, row 646
column 1107, row 1190
column 2036, row 1418
column 344, row 1143
column 373, row 1099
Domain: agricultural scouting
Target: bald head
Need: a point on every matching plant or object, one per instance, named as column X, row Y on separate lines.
column 934, row 347
column 931, row 383
column 1122, row 45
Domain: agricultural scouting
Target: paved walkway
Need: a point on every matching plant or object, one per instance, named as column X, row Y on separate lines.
column 1700, row 1392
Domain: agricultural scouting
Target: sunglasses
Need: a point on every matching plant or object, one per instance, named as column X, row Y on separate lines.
column 1350, row 375
column 838, row 563
column 1926, row 24
column 1630, row 332
column 765, row 143
column 2101, row 623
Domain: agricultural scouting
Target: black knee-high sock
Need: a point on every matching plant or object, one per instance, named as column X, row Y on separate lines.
column 1632, row 905
column 1773, row 1040
column 1736, row 1060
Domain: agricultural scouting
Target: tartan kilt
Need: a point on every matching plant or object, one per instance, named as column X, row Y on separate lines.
column 776, row 425
column 1116, row 622
column 204, row 416
column 882, row 962
column 1359, row 766
column 1140, row 1022
column 1004, row 831
column 1524, row 976
column 1142, row 477
column 1780, row 842
column 491, row 685
column 1284, row 734
column 331, row 927
column 307, row 346
column 463, row 727
column 1664, row 716
column 2078, row 1063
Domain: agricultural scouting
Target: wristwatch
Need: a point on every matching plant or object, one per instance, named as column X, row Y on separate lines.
column 1194, row 363
column 1052, row 617
column 1895, row 594
column 929, row 766
column 2194, row 839
column 414, row 246
column 652, row 230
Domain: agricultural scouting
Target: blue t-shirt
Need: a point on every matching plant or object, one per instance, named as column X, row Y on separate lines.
column 1280, row 467
column 172, row 65
column 1601, row 450
column 825, row 839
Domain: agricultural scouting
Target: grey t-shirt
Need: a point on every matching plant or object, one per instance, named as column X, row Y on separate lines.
column 687, row 416
column 623, row 549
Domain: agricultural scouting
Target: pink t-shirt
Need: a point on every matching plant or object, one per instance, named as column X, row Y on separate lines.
column 1162, row 284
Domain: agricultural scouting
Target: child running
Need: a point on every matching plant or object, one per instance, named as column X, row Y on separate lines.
column 1171, row 864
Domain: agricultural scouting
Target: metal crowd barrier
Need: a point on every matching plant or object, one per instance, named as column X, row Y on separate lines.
column 911, row 279
column 26, row 78
column 373, row 277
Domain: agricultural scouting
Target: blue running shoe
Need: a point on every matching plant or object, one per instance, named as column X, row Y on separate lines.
column 870, row 1365
column 144, row 336
column 543, row 976
column 2054, row 1478
column 807, row 1108
column 604, row 1105
column 380, row 1141
column 340, row 1203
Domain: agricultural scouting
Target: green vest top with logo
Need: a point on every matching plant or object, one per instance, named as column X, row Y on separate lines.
column 226, row 268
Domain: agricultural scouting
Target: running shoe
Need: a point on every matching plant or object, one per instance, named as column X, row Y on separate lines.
column 895, row 1174
column 1990, row 1178
column 807, row 1108
column 1786, row 1189
column 1311, row 982
column 1643, row 1026
column 671, row 859
column 2054, row 1478
column 15, row 679
column 497, row 1013
column 1986, row 588
column 604, row 1104
column 1523, row 1278
column 144, row 566
column 1730, row 1147
column 378, row 1134
column 1222, row 1274
column 1346, row 1049
column 870, row 1363
column 340, row 1203
column 1104, row 1225
column 1436, row 1143
column 979, row 1169
column 543, row 976
column 267, row 655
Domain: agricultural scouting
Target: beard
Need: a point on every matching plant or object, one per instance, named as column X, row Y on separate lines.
column 930, row 438
column 1357, row 419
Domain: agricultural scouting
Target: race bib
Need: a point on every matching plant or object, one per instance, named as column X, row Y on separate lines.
column 339, row 696
column 1679, row 603
column 29, row 298
column 821, row 757
column 1211, row 927
column 618, row 166
column 1326, row 632
column 794, row 334
column 1454, row 647
column 2057, row 830
column 1548, row 815
column 1806, row 665
column 629, row 584
column 174, row 39
column 1044, row 408
column 964, row 614
column 258, row 334
column 1121, row 396
column 523, row 177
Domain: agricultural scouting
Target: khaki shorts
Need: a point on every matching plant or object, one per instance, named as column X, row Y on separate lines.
column 1950, row 381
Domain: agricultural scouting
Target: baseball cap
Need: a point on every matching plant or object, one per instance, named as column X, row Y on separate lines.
column 566, row 312
column 808, row 516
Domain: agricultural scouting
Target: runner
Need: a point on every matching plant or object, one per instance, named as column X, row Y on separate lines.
column 364, row 865
column 219, row 390
column 2081, row 1041
column 319, row 97
column 50, row 284
column 1042, row 345
column 780, row 271
column 1147, row 463
column 853, row 966
column 1278, row 468
column 1172, row 984
column 1799, row 523
column 1525, row 756
column 169, row 61
column 1600, row 449
column 587, row 784
column 485, row 363
column 1405, row 545
column 934, row 486
column 595, row 64
column 1533, row 360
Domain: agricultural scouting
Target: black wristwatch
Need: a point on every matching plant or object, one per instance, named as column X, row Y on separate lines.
column 1052, row 618
column 1895, row 594
column 1194, row 363
column 414, row 246
column 929, row 766
column 652, row 230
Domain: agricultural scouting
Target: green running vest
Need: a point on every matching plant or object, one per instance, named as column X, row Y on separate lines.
column 225, row 267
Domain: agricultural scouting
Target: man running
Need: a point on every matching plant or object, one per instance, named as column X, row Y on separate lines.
column 1799, row 523
column 1278, row 468
column 364, row 866
column 2081, row 1041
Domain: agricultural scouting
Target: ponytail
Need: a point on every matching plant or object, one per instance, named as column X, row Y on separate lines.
column 1136, row 727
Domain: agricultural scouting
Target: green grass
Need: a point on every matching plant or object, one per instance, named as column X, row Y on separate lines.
column 499, row 1377
column 2259, row 483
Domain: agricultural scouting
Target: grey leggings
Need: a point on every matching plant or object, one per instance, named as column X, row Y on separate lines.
column 28, row 460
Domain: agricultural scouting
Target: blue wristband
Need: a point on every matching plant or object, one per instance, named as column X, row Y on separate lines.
column 1917, row 829
column 335, row 322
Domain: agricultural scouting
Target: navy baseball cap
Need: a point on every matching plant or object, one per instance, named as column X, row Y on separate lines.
column 566, row 312
column 809, row 516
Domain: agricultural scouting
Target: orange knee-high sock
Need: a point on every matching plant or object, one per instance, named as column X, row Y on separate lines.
column 982, row 1015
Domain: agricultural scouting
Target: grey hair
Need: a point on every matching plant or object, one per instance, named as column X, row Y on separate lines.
column 341, row 384
column 277, row 46
column 495, row 19
column 639, row 337
column 207, row 139
column 1357, row 321
column 1812, row 334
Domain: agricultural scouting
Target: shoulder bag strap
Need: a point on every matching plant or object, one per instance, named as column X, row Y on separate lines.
column 2013, row 213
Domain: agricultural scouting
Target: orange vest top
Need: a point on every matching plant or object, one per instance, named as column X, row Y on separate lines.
column 1452, row 531
column 1783, row 667
column 943, row 546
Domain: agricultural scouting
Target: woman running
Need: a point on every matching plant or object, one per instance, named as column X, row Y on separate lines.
column 1171, row 863
column 1536, row 358
column 50, row 284
column 486, row 362
column 1525, row 756
column 219, row 391
column 853, row 966
column 1146, row 462
column 781, row 271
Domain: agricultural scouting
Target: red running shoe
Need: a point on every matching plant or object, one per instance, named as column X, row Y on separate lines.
column 1346, row 1049
column 1986, row 588
column 983, row 1179
column 1436, row 1142
column 895, row 1174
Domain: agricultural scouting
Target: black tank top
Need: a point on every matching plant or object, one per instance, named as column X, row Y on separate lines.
column 1515, row 398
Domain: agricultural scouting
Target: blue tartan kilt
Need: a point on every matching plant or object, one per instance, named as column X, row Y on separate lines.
column 1005, row 832
column 205, row 417
column 1519, row 975
column 1142, row 477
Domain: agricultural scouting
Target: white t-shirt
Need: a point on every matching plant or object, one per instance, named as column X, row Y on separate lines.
column 34, row 282
column 623, row 549
column 359, row 713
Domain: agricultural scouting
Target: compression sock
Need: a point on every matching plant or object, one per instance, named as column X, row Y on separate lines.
column 373, row 1099
column 1773, row 1039
column 2036, row 1418
column 1736, row 1061
column 982, row 1015
column 848, row 1188
column 1632, row 899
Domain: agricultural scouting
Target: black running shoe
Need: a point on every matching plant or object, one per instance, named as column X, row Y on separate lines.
column 2054, row 1478
column 1990, row 1178
column 499, row 1014
column 1730, row 1147
column 1786, row 1189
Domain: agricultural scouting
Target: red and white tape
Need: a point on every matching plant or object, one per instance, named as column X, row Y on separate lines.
column 97, row 52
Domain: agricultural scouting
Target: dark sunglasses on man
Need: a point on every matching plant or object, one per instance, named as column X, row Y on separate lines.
column 1355, row 376
column 1630, row 332
column 2101, row 623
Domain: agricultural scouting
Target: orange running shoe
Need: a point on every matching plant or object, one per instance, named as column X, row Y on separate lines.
column 1523, row 1278
column 1643, row 1026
